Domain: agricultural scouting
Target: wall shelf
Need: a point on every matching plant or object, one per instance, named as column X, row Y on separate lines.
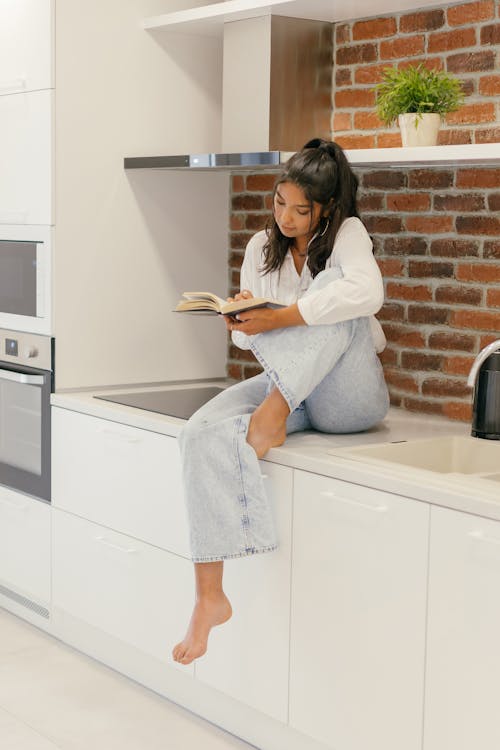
column 209, row 19
column 421, row 156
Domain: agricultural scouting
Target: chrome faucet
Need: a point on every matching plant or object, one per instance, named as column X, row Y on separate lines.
column 484, row 377
column 483, row 354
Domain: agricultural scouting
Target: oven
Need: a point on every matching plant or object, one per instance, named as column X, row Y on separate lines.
column 25, row 278
column 26, row 383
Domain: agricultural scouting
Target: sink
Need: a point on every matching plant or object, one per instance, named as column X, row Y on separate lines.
column 445, row 455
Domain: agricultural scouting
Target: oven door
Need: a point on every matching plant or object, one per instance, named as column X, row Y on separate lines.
column 25, row 429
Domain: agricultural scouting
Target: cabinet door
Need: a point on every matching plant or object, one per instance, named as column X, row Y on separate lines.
column 358, row 615
column 463, row 658
column 130, row 590
column 121, row 477
column 26, row 45
column 26, row 158
column 25, row 546
column 248, row 656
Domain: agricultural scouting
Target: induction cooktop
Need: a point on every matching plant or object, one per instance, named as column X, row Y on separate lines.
column 181, row 403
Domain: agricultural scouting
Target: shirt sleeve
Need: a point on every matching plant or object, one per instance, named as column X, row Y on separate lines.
column 250, row 279
column 361, row 290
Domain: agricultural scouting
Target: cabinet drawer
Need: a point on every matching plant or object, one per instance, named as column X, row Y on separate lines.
column 26, row 158
column 25, row 546
column 130, row 590
column 357, row 649
column 26, row 45
column 119, row 476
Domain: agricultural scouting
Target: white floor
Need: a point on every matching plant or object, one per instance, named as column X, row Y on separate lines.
column 54, row 698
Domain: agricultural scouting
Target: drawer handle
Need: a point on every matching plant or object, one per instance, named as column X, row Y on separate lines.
column 14, row 505
column 102, row 540
column 119, row 436
column 348, row 501
column 480, row 537
column 17, row 84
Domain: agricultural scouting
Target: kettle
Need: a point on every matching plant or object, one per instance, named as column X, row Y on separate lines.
column 484, row 377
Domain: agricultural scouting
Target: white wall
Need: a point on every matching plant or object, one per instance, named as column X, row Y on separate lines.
column 128, row 243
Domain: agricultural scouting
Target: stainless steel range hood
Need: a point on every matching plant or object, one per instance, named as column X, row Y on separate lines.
column 277, row 94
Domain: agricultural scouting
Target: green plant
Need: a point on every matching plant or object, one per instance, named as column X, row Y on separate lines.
column 416, row 89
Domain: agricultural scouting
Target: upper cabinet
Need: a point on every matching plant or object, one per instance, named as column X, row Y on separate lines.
column 26, row 35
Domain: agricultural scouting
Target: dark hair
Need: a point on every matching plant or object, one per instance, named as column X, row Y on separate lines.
column 322, row 171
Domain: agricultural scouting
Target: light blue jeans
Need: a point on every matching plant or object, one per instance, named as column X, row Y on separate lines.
column 333, row 382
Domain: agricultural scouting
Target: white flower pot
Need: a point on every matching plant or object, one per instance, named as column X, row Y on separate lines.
column 419, row 130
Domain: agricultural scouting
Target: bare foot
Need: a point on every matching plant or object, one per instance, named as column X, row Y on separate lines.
column 207, row 613
column 267, row 427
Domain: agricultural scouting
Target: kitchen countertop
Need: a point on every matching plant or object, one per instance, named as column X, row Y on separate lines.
column 309, row 450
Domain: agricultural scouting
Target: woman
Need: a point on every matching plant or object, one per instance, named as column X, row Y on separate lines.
column 321, row 370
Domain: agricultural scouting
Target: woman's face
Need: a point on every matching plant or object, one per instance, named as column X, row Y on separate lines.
column 292, row 211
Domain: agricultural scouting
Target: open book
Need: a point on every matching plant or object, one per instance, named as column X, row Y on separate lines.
column 206, row 302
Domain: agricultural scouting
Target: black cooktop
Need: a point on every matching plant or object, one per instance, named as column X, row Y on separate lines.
column 181, row 403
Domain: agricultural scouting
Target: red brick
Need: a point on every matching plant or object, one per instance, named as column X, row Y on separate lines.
column 241, row 355
column 493, row 298
column 458, row 365
column 459, row 295
column 388, row 356
column 343, row 77
column 395, row 400
column 237, row 222
column 454, row 137
column 256, row 222
column 404, row 335
column 470, row 13
column 429, row 224
column 391, row 311
column 384, row 179
column 471, row 62
column 366, row 121
column 354, row 98
column 341, row 121
column 405, row 246
column 445, row 387
column 428, row 315
column 237, row 183
column 431, row 63
column 478, row 178
column 374, row 28
column 251, row 372
column 489, row 85
column 234, row 371
column 487, row 135
column 268, row 202
column 452, row 341
column 388, row 140
column 359, row 53
column 356, row 141
column 482, row 225
column 487, row 339
column 451, row 248
column 430, row 269
column 370, row 202
column 369, row 73
column 390, row 267
column 472, row 114
column 408, row 202
column 402, row 47
column 491, row 249
column 430, row 178
column 383, row 224
column 490, row 34
column 460, row 203
column 422, row 21
column 342, row 33
column 460, row 411
column 421, row 361
column 484, row 272
column 477, row 320
column 245, row 202
column 407, row 291
column 401, row 381
column 419, row 405
column 236, row 259
column 258, row 182
column 447, row 40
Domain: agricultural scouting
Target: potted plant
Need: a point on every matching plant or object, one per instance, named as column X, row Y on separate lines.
column 418, row 98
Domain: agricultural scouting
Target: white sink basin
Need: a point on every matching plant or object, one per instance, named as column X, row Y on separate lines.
column 445, row 455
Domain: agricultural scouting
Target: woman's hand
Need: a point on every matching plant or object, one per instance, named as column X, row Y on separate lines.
column 264, row 319
column 231, row 320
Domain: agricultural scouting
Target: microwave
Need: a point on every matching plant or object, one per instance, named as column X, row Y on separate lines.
column 26, row 278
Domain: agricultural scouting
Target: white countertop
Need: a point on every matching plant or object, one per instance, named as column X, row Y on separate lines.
column 309, row 450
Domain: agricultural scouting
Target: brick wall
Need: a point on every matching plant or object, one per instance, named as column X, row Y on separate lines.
column 462, row 39
column 436, row 230
column 436, row 236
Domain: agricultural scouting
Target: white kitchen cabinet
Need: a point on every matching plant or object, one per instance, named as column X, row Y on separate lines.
column 26, row 158
column 248, row 656
column 463, row 658
column 119, row 476
column 359, row 578
column 25, row 550
column 26, row 34
column 132, row 591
